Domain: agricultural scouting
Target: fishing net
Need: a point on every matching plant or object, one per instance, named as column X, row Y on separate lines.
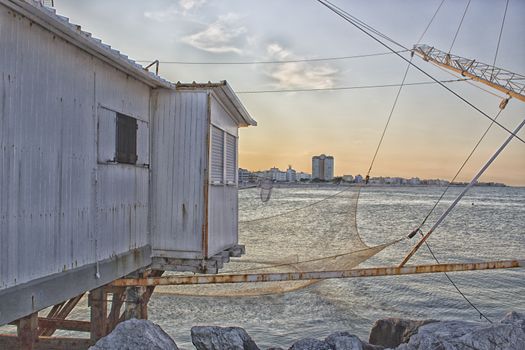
column 266, row 186
column 298, row 230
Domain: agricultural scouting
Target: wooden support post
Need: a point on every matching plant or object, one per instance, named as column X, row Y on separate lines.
column 60, row 311
column 147, row 294
column 144, row 303
column 137, row 297
column 99, row 310
column 145, row 300
column 70, row 325
column 55, row 309
column 133, row 302
column 28, row 332
column 9, row 342
column 118, row 295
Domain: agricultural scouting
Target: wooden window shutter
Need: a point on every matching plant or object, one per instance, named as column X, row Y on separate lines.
column 231, row 157
column 126, row 139
column 217, row 155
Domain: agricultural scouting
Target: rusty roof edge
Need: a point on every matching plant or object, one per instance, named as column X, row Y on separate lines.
column 50, row 20
column 238, row 105
column 199, row 86
column 243, row 116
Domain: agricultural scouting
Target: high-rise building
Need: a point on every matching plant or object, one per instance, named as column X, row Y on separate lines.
column 277, row 175
column 301, row 176
column 291, row 174
column 246, row 177
column 323, row 167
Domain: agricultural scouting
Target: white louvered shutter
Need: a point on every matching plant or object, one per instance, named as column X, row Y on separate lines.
column 231, row 157
column 217, row 154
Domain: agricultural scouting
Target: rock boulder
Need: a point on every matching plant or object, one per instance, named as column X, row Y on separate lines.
column 392, row 332
column 138, row 335
column 515, row 318
column 344, row 341
column 460, row 335
column 310, row 344
column 220, row 338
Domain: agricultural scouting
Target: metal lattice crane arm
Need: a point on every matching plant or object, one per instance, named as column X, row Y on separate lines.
column 512, row 84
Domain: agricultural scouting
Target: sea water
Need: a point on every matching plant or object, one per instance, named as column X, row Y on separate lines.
column 488, row 224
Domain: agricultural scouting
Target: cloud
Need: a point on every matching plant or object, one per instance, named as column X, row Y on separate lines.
column 298, row 74
column 222, row 36
column 169, row 14
column 188, row 5
column 182, row 9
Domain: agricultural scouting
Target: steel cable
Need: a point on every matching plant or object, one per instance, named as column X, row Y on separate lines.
column 500, row 34
column 459, row 27
column 296, row 209
column 299, row 60
column 327, row 4
column 357, row 87
column 492, row 119
column 459, row 171
column 388, row 120
column 481, row 314
column 430, row 22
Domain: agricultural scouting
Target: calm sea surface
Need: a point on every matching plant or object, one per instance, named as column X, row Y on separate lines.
column 488, row 224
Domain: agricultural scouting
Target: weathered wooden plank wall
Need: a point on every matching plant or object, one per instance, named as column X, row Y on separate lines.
column 223, row 198
column 53, row 216
column 178, row 169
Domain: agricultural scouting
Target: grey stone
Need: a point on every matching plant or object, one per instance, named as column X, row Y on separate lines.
column 392, row 332
column 515, row 318
column 368, row 346
column 344, row 341
column 137, row 335
column 461, row 335
column 310, row 344
column 221, row 338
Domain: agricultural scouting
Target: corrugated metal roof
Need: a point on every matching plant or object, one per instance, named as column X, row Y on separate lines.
column 72, row 33
column 224, row 91
column 61, row 26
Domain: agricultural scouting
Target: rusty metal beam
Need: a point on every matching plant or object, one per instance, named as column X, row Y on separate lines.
column 317, row 275
column 70, row 325
column 63, row 343
column 463, row 192
column 47, row 343
column 59, row 323
column 500, row 79
column 9, row 341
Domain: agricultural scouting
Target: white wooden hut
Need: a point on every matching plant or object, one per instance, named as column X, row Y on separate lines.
column 104, row 166
column 194, row 176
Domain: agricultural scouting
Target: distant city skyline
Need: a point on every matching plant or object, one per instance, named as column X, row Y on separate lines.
column 360, row 175
column 291, row 175
column 431, row 131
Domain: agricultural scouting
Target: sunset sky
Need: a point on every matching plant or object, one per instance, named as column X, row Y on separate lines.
column 431, row 131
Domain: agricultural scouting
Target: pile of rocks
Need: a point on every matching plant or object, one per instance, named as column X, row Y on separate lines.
column 391, row 333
